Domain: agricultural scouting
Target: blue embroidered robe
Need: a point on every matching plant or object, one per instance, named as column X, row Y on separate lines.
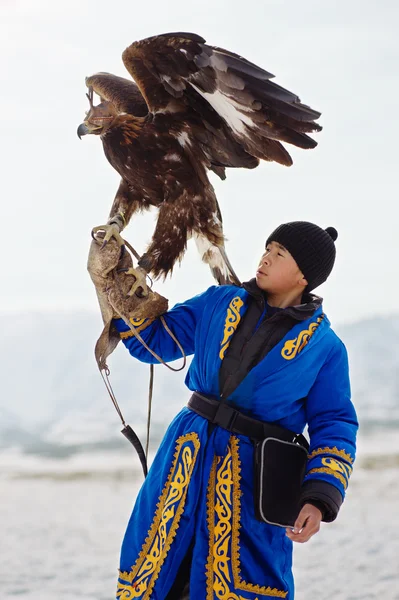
column 200, row 486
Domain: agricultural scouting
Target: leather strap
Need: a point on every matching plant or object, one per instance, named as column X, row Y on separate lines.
column 233, row 420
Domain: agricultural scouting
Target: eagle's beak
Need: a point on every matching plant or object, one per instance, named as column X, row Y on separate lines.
column 83, row 130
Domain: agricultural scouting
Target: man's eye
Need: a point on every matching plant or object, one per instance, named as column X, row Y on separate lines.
column 279, row 253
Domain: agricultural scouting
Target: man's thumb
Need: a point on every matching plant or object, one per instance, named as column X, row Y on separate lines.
column 300, row 521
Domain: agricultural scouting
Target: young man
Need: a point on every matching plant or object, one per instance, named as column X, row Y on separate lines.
column 266, row 350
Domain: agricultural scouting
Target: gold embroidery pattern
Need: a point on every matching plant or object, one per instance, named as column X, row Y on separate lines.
column 211, row 526
column 141, row 579
column 139, row 325
column 232, row 319
column 330, row 471
column 334, row 451
column 337, row 465
column 238, row 581
column 224, row 484
column 293, row 347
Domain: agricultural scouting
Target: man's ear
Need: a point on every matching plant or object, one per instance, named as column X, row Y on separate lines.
column 303, row 281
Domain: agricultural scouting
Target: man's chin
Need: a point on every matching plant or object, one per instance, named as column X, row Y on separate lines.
column 261, row 282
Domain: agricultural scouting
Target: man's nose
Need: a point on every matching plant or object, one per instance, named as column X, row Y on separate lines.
column 266, row 258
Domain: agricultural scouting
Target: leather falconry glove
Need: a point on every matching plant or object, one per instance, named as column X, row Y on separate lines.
column 109, row 267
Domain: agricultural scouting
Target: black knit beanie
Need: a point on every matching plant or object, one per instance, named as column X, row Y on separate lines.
column 311, row 246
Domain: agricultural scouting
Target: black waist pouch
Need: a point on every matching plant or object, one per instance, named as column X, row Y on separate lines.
column 279, row 471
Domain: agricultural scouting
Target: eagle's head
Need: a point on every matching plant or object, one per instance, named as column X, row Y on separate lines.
column 98, row 118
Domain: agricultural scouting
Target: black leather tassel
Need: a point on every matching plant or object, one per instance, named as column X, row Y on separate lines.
column 133, row 439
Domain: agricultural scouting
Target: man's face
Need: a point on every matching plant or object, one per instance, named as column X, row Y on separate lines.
column 278, row 272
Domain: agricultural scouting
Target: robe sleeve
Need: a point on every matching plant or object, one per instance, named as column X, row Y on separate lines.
column 333, row 425
column 182, row 320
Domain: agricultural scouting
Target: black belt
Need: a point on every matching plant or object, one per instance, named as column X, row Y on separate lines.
column 233, row 420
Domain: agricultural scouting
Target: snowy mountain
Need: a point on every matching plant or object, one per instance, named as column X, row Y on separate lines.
column 373, row 347
column 53, row 400
column 54, row 403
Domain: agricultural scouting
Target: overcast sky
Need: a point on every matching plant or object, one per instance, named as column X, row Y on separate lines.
column 340, row 57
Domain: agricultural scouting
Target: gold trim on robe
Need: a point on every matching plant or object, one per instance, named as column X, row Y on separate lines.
column 139, row 582
column 233, row 318
column 331, row 471
column 293, row 347
column 334, row 451
column 139, row 325
column 224, row 523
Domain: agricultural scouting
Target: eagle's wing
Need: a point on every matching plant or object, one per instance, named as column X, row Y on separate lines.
column 178, row 71
column 123, row 93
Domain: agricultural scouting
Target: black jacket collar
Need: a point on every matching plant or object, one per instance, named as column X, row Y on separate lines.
column 301, row 312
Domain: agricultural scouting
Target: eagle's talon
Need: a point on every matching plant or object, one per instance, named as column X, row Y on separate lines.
column 141, row 282
column 111, row 231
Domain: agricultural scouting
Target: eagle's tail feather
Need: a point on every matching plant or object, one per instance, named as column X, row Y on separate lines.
column 233, row 275
column 216, row 258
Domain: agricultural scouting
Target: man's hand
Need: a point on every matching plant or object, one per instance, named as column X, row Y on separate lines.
column 306, row 525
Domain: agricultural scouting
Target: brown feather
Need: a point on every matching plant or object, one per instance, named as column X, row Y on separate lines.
column 123, row 93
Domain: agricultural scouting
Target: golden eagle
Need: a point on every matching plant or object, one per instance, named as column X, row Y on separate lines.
column 193, row 107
